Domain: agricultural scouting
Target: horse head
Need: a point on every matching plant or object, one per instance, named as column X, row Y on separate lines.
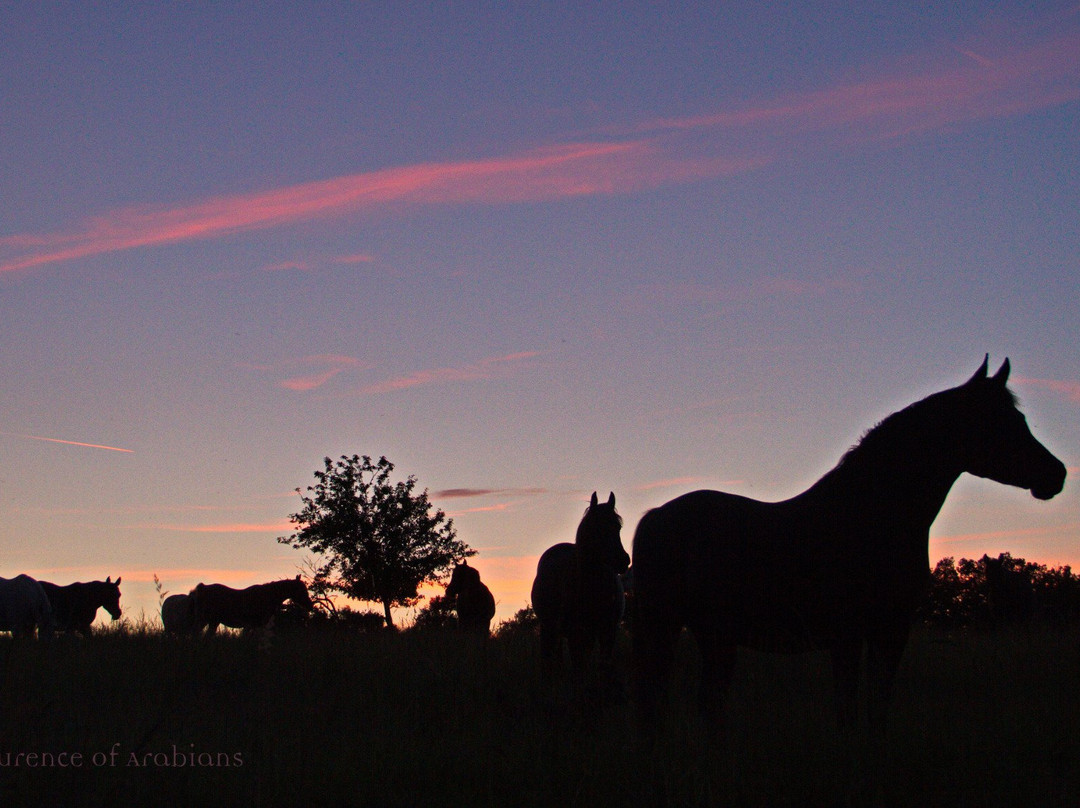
column 110, row 597
column 599, row 535
column 298, row 594
column 999, row 444
column 462, row 578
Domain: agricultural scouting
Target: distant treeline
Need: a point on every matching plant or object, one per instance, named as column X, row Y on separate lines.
column 999, row 591
column 984, row 592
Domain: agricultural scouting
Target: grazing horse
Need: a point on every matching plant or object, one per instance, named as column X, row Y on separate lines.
column 578, row 595
column 24, row 607
column 178, row 615
column 840, row 566
column 473, row 601
column 254, row 607
column 75, row 605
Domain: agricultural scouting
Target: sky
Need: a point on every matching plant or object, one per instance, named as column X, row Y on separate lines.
column 526, row 252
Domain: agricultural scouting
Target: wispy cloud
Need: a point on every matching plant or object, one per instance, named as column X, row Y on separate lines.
column 990, row 82
column 309, row 372
column 998, row 535
column 69, row 442
column 165, row 575
column 281, row 527
column 1010, row 80
column 1071, row 390
column 567, row 170
column 465, row 493
column 484, row 369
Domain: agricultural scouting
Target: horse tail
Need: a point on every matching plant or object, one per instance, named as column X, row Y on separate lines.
column 657, row 619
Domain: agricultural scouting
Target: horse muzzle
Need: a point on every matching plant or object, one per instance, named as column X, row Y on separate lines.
column 1052, row 485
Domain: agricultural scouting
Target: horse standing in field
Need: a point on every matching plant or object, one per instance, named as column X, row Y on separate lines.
column 24, row 607
column 577, row 595
column 839, row 567
column 75, row 606
column 473, row 601
column 251, row 608
column 178, row 615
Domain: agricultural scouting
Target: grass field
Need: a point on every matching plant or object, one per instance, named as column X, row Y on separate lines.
column 131, row 717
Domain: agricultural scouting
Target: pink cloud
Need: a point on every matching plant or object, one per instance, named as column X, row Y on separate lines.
column 998, row 535
column 484, row 369
column 575, row 169
column 1017, row 80
column 1071, row 390
column 997, row 81
column 680, row 482
column 357, row 258
column 318, row 370
column 464, row 493
column 283, row 266
column 281, row 527
column 85, row 573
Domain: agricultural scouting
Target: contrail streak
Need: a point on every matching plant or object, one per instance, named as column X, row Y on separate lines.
column 69, row 442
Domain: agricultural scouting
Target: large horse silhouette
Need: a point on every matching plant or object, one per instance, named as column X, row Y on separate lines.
column 841, row 566
column 473, row 601
column 577, row 593
column 251, row 608
column 75, row 606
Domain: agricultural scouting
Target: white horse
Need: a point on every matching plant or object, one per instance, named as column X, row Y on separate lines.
column 24, row 607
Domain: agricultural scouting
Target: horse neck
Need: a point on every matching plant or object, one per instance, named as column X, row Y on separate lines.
column 905, row 483
column 282, row 590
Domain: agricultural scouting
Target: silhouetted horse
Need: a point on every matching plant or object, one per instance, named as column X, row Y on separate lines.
column 24, row 607
column 178, row 615
column 578, row 595
column 473, row 601
column 840, row 566
column 75, row 605
column 254, row 607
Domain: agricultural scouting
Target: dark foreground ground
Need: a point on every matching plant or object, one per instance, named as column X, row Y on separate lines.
column 135, row 718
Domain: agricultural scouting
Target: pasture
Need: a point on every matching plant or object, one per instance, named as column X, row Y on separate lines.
column 131, row 716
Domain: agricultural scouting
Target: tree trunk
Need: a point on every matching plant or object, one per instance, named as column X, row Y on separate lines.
column 386, row 611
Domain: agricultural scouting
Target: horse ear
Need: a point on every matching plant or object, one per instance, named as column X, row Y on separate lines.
column 593, row 501
column 980, row 374
column 1002, row 376
column 108, row 579
column 611, row 500
column 117, row 580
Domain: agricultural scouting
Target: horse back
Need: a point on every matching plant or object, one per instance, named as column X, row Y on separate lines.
column 554, row 578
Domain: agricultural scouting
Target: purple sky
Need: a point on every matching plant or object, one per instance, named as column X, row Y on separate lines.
column 525, row 255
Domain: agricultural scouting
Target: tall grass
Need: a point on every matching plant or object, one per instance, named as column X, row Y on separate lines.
column 431, row 718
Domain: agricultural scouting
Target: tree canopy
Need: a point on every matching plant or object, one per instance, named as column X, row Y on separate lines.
column 378, row 540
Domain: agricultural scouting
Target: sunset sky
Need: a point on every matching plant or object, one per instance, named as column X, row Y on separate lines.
column 523, row 253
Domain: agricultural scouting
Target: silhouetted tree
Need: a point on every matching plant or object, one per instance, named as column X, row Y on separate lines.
column 378, row 540
column 438, row 614
column 523, row 622
column 998, row 591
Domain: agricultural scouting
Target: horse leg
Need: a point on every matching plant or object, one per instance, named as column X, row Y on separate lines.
column 655, row 639
column 846, row 657
column 550, row 657
column 884, row 653
column 717, row 667
column 581, row 647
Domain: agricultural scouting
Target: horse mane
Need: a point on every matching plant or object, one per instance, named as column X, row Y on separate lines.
column 592, row 514
column 897, row 430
